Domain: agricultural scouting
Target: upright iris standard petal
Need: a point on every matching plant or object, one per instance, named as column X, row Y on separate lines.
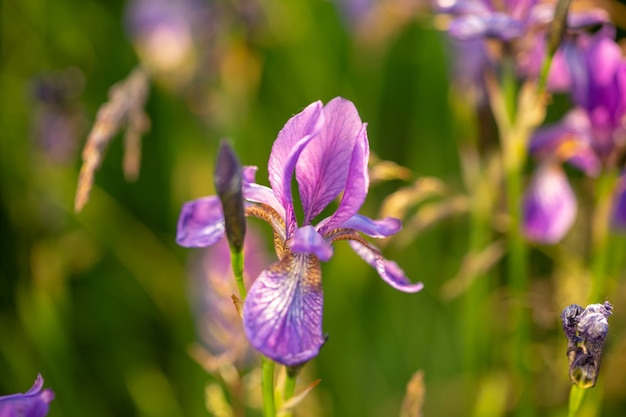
column 322, row 169
column 283, row 311
column 291, row 141
column 201, row 223
column 357, row 184
column 34, row 403
column 549, row 205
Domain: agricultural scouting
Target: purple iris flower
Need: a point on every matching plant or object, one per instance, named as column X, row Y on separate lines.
column 549, row 205
column 33, row 403
column 521, row 25
column 592, row 136
column 478, row 19
column 328, row 150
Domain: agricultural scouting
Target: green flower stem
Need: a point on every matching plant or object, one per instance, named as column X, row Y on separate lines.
column 514, row 142
column 518, row 282
column 288, row 390
column 474, row 316
column 509, row 87
column 267, row 387
column 236, row 259
column 543, row 77
column 576, row 396
column 267, row 365
column 600, row 235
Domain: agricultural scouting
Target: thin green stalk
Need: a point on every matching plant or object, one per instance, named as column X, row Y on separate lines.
column 517, row 273
column 514, row 157
column 543, row 77
column 576, row 396
column 288, row 390
column 267, row 387
column 267, row 365
column 509, row 87
column 474, row 319
column 601, row 236
column 236, row 259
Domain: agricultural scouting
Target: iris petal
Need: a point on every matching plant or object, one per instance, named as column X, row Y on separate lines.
column 201, row 223
column 389, row 271
column 374, row 228
column 322, row 169
column 283, row 311
column 287, row 149
column 307, row 240
column 357, row 184
column 549, row 205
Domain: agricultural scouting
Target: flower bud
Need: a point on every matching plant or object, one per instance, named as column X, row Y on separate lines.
column 228, row 183
column 586, row 330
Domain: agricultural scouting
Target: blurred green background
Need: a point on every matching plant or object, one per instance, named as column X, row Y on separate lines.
column 97, row 301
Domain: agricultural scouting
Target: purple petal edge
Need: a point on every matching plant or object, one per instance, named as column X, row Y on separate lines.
column 201, row 223
column 388, row 270
column 373, row 228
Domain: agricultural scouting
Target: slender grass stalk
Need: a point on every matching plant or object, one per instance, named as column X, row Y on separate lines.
column 514, row 142
column 474, row 317
column 600, row 236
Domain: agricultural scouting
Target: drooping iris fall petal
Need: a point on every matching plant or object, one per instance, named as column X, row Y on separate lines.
column 283, row 311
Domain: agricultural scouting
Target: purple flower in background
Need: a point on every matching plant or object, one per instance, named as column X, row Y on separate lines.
column 520, row 25
column 328, row 150
column 166, row 35
column 592, row 136
column 212, row 283
column 33, row 403
column 483, row 19
column 549, row 205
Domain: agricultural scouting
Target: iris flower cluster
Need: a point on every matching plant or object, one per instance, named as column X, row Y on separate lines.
column 326, row 147
column 591, row 137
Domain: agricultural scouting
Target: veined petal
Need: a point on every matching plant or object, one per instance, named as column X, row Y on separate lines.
column 389, row 271
column 291, row 140
column 357, row 183
column 549, row 205
column 307, row 240
column 201, row 223
column 374, row 228
column 322, row 169
column 282, row 314
column 257, row 193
